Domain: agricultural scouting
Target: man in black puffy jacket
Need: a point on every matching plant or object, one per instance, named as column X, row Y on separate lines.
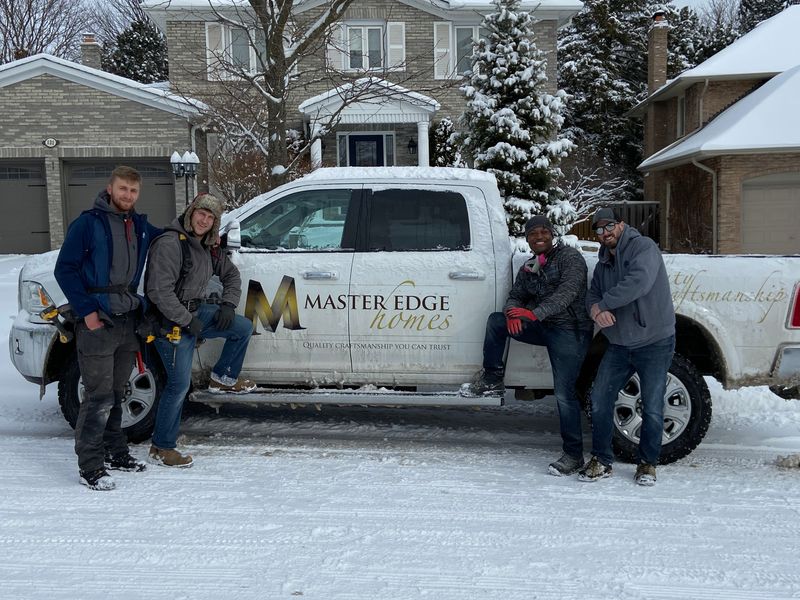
column 546, row 307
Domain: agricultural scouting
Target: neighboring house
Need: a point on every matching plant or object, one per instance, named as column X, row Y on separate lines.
column 416, row 45
column 63, row 128
column 722, row 143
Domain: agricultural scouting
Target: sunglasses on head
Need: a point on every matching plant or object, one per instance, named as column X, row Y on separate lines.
column 607, row 227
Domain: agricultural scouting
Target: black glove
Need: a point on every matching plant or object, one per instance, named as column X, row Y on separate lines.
column 224, row 316
column 195, row 327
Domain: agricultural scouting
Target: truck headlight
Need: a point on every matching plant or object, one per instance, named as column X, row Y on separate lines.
column 33, row 299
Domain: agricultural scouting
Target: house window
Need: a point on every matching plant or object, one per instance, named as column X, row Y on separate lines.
column 680, row 117
column 465, row 37
column 231, row 50
column 365, row 47
column 452, row 48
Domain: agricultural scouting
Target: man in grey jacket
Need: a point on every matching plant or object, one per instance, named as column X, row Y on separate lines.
column 180, row 266
column 545, row 307
column 630, row 300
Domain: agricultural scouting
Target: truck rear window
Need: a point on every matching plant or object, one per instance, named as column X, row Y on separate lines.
column 407, row 219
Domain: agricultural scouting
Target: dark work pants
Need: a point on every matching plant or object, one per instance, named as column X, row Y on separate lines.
column 566, row 348
column 106, row 357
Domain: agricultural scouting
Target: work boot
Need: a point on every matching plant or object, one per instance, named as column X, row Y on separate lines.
column 566, row 465
column 98, row 479
column 594, row 471
column 487, row 382
column 124, row 462
column 169, row 457
column 228, row 385
column 645, row 475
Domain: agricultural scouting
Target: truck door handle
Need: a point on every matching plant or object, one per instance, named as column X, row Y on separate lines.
column 320, row 275
column 468, row 275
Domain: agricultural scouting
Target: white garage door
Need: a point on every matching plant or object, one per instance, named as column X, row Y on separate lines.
column 25, row 226
column 771, row 214
column 156, row 199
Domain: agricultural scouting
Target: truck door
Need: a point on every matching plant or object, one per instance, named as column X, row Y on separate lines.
column 423, row 284
column 295, row 261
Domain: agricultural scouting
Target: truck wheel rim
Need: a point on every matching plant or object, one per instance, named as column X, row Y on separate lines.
column 140, row 396
column 677, row 410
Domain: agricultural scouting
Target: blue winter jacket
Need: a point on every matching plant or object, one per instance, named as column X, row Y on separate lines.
column 85, row 259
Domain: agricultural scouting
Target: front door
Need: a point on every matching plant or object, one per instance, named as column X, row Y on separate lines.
column 365, row 150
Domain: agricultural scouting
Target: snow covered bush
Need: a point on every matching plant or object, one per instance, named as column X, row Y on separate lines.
column 444, row 146
column 140, row 53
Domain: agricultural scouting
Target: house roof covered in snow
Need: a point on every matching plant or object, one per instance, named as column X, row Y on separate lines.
column 561, row 10
column 46, row 64
column 756, row 124
column 772, row 47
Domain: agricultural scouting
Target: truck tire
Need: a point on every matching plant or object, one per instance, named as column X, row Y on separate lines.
column 687, row 414
column 138, row 408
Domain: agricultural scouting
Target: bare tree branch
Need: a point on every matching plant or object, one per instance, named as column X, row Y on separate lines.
column 29, row 27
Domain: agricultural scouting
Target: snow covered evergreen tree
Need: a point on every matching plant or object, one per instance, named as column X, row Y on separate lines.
column 511, row 123
column 444, row 148
column 140, row 53
column 752, row 12
column 603, row 66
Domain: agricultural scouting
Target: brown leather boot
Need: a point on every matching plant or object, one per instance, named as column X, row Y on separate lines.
column 169, row 457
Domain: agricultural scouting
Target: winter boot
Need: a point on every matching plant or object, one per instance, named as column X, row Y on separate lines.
column 594, row 471
column 222, row 384
column 124, row 462
column 169, row 457
column 99, row 479
column 645, row 475
column 487, row 382
column 566, row 465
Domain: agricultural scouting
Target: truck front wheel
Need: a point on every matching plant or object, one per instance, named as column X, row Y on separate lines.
column 138, row 407
column 687, row 414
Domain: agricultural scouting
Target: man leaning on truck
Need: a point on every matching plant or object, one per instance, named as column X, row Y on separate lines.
column 630, row 300
column 545, row 307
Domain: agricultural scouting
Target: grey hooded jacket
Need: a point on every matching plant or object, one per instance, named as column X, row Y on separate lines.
column 633, row 285
column 164, row 266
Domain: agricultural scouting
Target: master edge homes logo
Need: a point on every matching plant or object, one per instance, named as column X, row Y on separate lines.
column 400, row 309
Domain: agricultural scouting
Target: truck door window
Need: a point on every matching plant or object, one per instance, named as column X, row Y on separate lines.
column 407, row 219
column 312, row 220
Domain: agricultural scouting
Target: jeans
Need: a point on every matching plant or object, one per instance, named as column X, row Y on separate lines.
column 651, row 362
column 105, row 358
column 566, row 348
column 177, row 361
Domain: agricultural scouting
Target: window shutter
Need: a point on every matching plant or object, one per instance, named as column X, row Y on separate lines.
column 215, row 49
column 336, row 48
column 396, row 46
column 442, row 53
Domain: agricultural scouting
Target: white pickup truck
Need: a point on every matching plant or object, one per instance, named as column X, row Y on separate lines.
column 372, row 287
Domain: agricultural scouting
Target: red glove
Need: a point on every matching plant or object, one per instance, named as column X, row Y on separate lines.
column 521, row 313
column 514, row 326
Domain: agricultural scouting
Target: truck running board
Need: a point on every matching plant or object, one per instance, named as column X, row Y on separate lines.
column 344, row 397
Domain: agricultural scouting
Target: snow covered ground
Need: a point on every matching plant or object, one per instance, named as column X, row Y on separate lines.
column 395, row 504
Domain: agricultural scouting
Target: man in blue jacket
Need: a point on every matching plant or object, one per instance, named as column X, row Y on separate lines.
column 99, row 268
column 630, row 300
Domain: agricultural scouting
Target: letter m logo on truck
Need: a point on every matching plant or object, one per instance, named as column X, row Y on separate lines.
column 284, row 305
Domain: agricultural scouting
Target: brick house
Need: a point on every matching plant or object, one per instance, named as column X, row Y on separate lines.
column 413, row 46
column 64, row 126
column 722, row 143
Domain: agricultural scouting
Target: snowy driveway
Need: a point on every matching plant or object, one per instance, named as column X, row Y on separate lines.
column 395, row 504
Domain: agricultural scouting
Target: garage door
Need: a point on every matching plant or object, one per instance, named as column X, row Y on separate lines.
column 25, row 226
column 156, row 200
column 771, row 214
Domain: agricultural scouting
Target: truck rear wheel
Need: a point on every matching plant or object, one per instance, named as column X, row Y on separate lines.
column 138, row 407
column 687, row 414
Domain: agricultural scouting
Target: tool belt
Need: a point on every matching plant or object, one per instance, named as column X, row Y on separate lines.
column 195, row 303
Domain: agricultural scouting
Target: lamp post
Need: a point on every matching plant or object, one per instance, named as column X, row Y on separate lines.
column 184, row 166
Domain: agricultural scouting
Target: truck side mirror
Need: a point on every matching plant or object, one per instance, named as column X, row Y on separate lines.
column 233, row 235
